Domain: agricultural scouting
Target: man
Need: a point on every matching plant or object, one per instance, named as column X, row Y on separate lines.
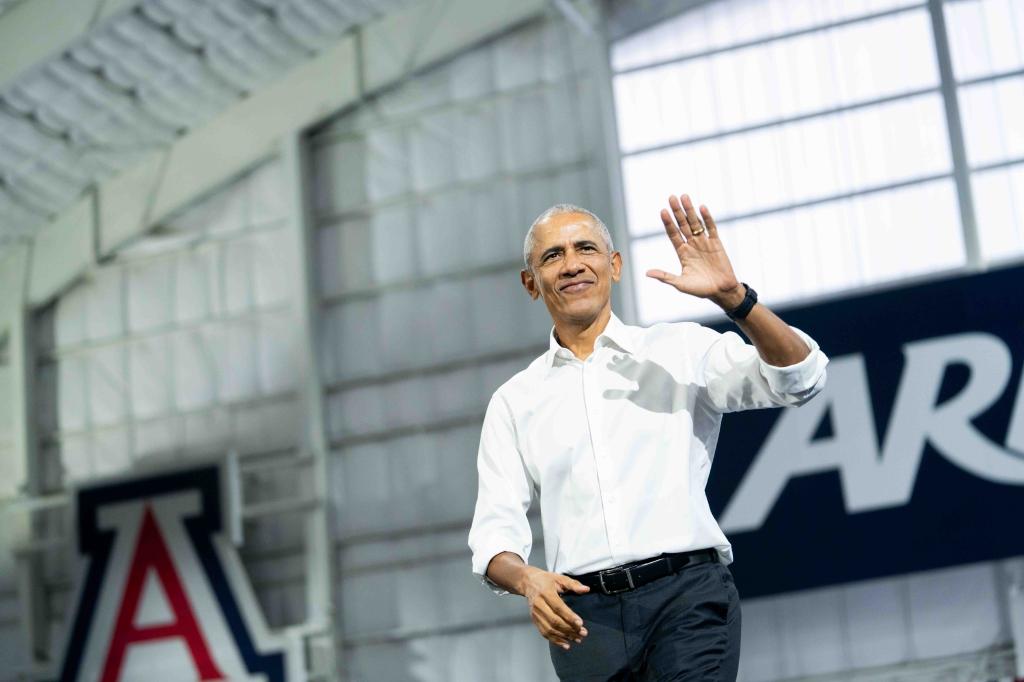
column 615, row 427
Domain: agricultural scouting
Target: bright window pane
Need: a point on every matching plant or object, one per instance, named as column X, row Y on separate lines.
column 992, row 113
column 985, row 36
column 999, row 203
column 717, row 25
column 794, row 163
column 801, row 253
column 780, row 79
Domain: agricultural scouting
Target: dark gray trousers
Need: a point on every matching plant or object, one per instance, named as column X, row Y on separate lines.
column 684, row 626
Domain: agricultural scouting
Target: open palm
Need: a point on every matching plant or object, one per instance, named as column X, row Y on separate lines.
column 706, row 270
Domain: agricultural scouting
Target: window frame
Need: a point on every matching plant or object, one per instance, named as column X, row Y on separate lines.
column 948, row 88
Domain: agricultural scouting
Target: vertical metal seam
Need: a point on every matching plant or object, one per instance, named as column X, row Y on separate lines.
column 321, row 596
column 30, row 583
column 612, row 166
column 958, row 148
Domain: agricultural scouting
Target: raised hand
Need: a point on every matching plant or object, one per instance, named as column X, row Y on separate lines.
column 706, row 270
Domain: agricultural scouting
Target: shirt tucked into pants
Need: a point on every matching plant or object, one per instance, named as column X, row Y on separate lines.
column 617, row 449
column 684, row 626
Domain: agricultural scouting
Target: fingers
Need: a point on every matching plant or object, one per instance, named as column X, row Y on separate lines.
column 571, row 583
column 568, row 616
column 692, row 219
column 554, row 626
column 564, row 580
column 673, row 232
column 686, row 215
column 555, row 621
column 566, row 622
column 709, row 221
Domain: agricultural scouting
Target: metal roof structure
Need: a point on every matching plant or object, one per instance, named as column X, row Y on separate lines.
column 137, row 79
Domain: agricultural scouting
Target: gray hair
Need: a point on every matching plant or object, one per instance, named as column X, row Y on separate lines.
column 561, row 209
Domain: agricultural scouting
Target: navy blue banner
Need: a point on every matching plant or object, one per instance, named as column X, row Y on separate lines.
column 912, row 458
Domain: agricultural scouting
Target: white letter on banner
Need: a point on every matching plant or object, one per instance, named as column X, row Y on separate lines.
column 948, row 426
column 789, row 450
column 872, row 482
column 1015, row 433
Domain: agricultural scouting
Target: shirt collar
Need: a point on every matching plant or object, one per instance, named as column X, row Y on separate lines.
column 615, row 334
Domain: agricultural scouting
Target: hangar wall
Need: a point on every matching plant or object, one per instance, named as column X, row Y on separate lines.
column 182, row 348
column 421, row 198
column 9, row 621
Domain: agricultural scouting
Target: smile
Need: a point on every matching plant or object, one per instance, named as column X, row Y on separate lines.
column 577, row 287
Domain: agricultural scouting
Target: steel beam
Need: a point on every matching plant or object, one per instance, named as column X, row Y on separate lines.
column 958, row 147
column 320, row 593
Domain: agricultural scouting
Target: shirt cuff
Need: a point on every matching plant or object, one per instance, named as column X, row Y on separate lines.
column 482, row 558
column 800, row 378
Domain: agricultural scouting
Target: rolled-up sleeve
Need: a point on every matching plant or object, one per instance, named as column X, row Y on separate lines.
column 504, row 495
column 736, row 378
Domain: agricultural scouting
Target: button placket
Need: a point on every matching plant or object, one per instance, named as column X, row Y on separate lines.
column 592, row 400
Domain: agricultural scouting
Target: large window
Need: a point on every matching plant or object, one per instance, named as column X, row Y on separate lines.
column 817, row 132
column 987, row 47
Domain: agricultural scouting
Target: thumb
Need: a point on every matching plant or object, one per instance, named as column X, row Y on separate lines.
column 574, row 585
column 662, row 276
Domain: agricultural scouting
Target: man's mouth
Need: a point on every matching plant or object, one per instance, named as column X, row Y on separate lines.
column 575, row 287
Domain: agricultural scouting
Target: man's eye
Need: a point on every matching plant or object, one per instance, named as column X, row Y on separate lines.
column 588, row 248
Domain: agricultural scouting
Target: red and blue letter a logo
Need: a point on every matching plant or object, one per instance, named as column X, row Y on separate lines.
column 164, row 596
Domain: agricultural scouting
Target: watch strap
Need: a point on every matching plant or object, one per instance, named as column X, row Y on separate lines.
column 744, row 308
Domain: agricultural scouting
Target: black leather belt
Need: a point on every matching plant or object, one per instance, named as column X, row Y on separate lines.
column 636, row 573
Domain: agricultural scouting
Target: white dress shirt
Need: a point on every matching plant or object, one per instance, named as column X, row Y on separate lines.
column 618, row 447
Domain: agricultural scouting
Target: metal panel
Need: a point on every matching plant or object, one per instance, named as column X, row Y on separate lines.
column 952, row 611
column 878, row 623
column 63, row 251
column 400, row 45
column 873, row 626
column 12, row 468
column 31, row 31
column 168, row 180
column 154, row 358
column 502, row 652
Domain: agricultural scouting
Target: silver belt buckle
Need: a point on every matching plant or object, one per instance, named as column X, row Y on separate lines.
column 629, row 581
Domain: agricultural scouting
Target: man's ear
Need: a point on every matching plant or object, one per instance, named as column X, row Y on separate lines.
column 529, row 283
column 616, row 266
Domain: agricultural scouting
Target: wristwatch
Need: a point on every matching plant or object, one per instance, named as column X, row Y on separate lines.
column 743, row 309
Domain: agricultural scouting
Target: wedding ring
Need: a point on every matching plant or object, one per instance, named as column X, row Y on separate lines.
column 697, row 232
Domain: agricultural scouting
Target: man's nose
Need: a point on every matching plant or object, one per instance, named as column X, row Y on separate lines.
column 571, row 263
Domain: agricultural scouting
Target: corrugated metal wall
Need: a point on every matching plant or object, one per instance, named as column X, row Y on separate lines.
column 894, row 622
column 183, row 348
column 422, row 198
column 10, row 470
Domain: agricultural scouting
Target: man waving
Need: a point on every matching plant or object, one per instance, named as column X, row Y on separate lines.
column 614, row 429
